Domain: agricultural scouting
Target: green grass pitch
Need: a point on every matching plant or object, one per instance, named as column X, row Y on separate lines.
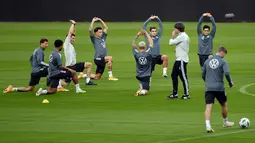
column 108, row 113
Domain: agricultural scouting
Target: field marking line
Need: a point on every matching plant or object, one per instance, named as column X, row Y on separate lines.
column 207, row 136
column 243, row 89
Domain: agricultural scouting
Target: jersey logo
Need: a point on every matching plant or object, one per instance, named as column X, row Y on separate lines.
column 214, row 63
column 103, row 44
column 205, row 37
column 142, row 60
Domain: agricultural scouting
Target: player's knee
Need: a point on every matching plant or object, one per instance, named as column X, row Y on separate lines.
column 164, row 57
column 88, row 64
column 109, row 58
column 30, row 88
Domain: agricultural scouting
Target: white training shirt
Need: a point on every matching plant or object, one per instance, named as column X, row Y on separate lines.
column 69, row 51
column 182, row 47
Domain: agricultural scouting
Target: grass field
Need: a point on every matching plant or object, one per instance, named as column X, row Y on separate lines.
column 109, row 113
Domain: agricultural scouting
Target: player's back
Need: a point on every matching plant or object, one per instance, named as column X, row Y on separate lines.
column 55, row 61
column 143, row 64
column 214, row 72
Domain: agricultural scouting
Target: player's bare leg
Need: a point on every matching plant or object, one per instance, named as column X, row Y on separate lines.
column 224, row 112
column 88, row 70
column 108, row 60
column 208, row 111
column 10, row 88
column 164, row 58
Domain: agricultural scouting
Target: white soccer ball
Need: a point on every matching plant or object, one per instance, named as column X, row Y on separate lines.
column 244, row 123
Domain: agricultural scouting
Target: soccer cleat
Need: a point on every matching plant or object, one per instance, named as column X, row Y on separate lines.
column 62, row 89
column 228, row 124
column 113, row 78
column 185, row 97
column 209, row 130
column 91, row 83
column 80, row 91
column 172, row 96
column 165, row 75
column 8, row 89
column 39, row 92
column 80, row 75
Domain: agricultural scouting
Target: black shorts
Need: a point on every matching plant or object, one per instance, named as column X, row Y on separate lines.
column 219, row 95
column 144, row 82
column 54, row 80
column 156, row 60
column 78, row 67
column 100, row 63
column 35, row 77
column 202, row 59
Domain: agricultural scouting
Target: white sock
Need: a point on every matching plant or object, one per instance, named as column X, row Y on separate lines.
column 164, row 70
column 110, row 73
column 59, row 84
column 225, row 120
column 44, row 92
column 77, row 86
column 15, row 89
column 208, row 125
column 85, row 75
column 87, row 80
column 143, row 92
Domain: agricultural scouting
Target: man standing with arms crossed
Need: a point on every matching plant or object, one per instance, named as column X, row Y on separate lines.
column 99, row 44
column 205, row 39
column 155, row 51
column 212, row 74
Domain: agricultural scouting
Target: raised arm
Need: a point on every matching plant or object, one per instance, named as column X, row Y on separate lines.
column 134, row 41
column 146, row 23
column 105, row 28
column 160, row 31
column 149, row 38
column 199, row 28
column 213, row 25
column 91, row 33
column 72, row 28
column 227, row 74
column 173, row 40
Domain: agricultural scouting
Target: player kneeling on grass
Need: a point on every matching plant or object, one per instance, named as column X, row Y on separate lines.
column 99, row 44
column 212, row 74
column 39, row 69
column 143, row 62
column 57, row 71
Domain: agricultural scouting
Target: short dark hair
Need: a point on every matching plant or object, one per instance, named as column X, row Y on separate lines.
column 152, row 27
column 97, row 28
column 222, row 49
column 58, row 43
column 43, row 40
column 180, row 26
column 71, row 35
column 206, row 26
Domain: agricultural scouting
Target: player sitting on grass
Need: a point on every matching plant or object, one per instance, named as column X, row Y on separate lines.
column 70, row 56
column 212, row 74
column 57, row 71
column 157, row 58
column 143, row 62
column 39, row 69
column 99, row 44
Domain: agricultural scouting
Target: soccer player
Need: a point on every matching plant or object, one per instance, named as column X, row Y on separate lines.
column 205, row 39
column 182, row 59
column 143, row 62
column 99, row 44
column 39, row 69
column 57, row 71
column 157, row 58
column 70, row 56
column 213, row 71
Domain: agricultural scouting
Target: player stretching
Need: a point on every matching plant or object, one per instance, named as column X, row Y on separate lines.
column 70, row 56
column 156, row 57
column 205, row 39
column 57, row 71
column 212, row 74
column 143, row 62
column 39, row 69
column 100, row 57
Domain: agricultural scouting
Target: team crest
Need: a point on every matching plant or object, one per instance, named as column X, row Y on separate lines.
column 142, row 60
column 214, row 63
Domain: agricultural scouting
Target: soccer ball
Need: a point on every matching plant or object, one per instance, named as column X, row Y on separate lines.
column 244, row 123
